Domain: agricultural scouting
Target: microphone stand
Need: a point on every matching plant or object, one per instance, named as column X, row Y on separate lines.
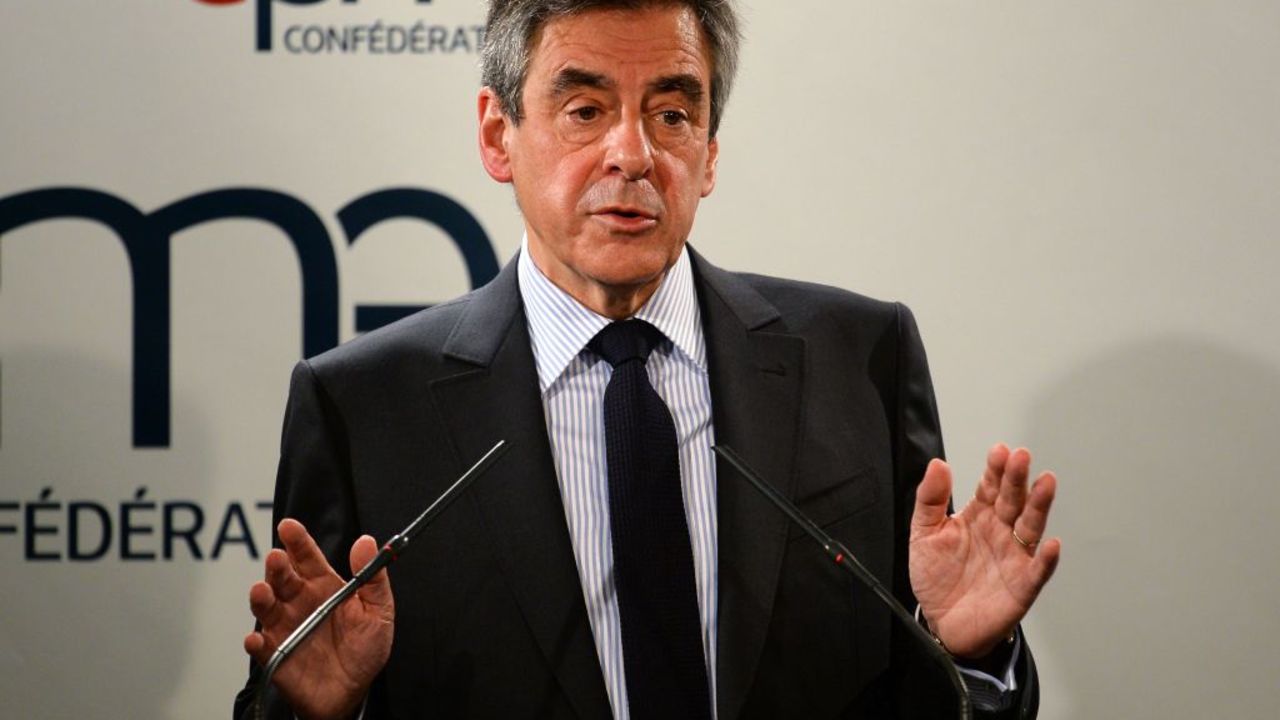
column 845, row 559
column 389, row 552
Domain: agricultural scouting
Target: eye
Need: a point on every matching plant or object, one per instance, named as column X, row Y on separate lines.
column 672, row 117
column 586, row 113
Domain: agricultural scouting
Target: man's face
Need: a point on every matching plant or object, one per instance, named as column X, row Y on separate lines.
column 613, row 153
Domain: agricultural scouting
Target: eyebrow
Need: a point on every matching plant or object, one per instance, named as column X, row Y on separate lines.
column 687, row 85
column 571, row 78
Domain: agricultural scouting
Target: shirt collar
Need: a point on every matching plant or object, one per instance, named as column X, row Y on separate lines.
column 560, row 327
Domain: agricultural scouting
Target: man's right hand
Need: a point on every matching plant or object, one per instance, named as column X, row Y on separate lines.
column 329, row 674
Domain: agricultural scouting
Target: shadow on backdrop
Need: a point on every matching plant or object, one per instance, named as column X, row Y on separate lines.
column 1164, row 605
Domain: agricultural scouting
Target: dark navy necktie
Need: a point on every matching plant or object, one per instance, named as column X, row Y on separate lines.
column 652, row 558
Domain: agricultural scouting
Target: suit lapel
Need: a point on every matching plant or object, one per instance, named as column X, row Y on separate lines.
column 756, row 381
column 520, row 501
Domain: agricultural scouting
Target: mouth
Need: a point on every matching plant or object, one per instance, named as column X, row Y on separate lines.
column 629, row 212
column 625, row 218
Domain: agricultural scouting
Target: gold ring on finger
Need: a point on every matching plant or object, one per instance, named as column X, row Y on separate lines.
column 1024, row 543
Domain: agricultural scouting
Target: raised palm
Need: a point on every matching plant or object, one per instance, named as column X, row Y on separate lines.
column 977, row 572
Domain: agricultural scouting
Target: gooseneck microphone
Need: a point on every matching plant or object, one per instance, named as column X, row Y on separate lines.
column 389, row 552
column 845, row 559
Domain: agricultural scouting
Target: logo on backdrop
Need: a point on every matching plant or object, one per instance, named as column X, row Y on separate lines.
column 142, row 528
column 377, row 38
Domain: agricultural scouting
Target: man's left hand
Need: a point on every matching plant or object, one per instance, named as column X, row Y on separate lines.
column 976, row 573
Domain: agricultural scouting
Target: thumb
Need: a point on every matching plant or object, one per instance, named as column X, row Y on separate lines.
column 932, row 496
column 378, row 590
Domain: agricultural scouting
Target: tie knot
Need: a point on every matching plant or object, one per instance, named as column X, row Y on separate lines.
column 619, row 342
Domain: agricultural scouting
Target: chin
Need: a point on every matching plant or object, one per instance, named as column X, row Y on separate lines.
column 632, row 266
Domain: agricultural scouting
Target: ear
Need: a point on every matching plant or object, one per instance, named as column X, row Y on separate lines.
column 493, row 136
column 709, row 173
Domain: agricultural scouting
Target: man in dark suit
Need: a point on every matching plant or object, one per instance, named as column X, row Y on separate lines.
column 603, row 117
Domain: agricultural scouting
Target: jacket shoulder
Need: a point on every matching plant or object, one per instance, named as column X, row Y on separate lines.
column 415, row 343
column 808, row 306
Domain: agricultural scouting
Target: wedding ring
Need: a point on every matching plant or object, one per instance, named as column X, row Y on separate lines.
column 1024, row 543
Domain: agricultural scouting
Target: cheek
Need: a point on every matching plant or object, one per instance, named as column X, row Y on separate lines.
column 564, row 184
column 683, row 187
column 548, row 196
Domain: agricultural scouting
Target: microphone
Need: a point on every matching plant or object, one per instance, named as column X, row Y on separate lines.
column 389, row 552
column 845, row 559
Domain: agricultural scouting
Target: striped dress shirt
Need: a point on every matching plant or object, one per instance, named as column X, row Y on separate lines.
column 572, row 381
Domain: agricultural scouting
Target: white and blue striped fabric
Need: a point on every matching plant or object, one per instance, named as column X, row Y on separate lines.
column 573, row 381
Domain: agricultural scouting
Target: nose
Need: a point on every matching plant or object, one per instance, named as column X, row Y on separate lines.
column 629, row 151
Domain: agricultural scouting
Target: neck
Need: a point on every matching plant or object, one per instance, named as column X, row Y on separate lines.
column 614, row 301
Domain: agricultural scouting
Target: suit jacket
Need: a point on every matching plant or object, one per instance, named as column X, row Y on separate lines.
column 824, row 392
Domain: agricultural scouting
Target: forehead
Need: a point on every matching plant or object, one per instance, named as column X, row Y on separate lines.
column 620, row 44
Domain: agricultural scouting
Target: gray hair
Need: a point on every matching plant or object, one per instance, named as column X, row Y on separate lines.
column 512, row 25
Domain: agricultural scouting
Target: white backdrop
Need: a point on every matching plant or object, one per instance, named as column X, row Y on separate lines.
column 1080, row 201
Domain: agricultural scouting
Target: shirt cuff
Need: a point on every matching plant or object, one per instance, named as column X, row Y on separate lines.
column 988, row 692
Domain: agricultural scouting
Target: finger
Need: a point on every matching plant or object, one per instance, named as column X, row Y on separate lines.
column 262, row 603
column 1013, row 486
column 1035, row 514
column 1046, row 561
column 258, row 647
column 378, row 590
column 280, row 575
column 305, row 555
column 933, row 495
column 989, row 486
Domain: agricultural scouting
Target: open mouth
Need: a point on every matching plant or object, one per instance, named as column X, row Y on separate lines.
column 627, row 221
column 627, row 213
